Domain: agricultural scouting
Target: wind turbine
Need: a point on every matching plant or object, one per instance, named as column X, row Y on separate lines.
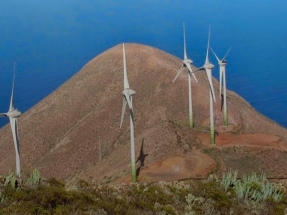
column 222, row 81
column 208, row 69
column 13, row 114
column 186, row 64
column 127, row 99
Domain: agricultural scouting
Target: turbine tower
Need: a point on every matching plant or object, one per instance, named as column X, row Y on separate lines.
column 222, row 81
column 13, row 114
column 127, row 99
column 208, row 69
column 186, row 64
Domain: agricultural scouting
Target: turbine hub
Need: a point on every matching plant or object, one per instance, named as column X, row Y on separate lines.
column 208, row 66
column 128, row 92
column 187, row 61
column 223, row 63
column 14, row 113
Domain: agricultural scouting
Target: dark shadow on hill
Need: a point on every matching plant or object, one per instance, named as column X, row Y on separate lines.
column 141, row 158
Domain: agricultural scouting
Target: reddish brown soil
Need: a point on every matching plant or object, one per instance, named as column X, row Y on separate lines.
column 197, row 164
column 250, row 140
column 180, row 166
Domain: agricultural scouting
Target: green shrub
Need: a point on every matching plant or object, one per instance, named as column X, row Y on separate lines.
column 252, row 187
column 34, row 179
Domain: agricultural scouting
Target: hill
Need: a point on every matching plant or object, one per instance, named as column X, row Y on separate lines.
column 63, row 134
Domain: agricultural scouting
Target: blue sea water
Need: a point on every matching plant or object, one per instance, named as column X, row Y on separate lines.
column 51, row 40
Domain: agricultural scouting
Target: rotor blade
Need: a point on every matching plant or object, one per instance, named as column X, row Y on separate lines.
column 178, row 73
column 16, row 133
column 128, row 99
column 184, row 43
column 126, row 82
column 206, row 59
column 131, row 102
column 209, row 76
column 17, row 149
column 14, row 128
column 199, row 69
column 123, row 110
column 3, row 114
column 11, row 107
column 190, row 72
column 227, row 53
column 215, row 55
column 208, row 44
column 220, row 79
column 131, row 109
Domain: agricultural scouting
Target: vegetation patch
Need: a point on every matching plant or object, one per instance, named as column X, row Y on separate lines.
column 252, row 194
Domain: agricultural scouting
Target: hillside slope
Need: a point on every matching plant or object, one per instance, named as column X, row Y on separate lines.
column 61, row 135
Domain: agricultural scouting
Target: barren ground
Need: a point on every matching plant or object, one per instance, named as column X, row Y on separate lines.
column 197, row 164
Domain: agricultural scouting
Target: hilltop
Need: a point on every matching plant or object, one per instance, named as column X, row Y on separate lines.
column 63, row 134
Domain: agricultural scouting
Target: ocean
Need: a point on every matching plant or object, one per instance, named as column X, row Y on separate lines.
column 52, row 40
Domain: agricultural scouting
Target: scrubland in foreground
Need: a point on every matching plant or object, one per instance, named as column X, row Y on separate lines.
column 253, row 194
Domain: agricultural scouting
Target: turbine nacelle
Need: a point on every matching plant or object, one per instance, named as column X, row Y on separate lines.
column 187, row 61
column 208, row 66
column 14, row 113
column 128, row 92
column 222, row 63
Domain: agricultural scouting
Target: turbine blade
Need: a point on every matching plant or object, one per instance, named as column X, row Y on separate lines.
column 199, row 69
column 11, row 106
column 220, row 79
column 215, row 55
column 126, row 82
column 123, row 110
column 184, row 43
column 209, row 76
column 190, row 72
column 208, row 37
column 207, row 59
column 3, row 114
column 14, row 128
column 131, row 109
column 131, row 99
column 128, row 99
column 227, row 53
column 178, row 73
column 212, row 91
column 18, row 170
column 17, row 132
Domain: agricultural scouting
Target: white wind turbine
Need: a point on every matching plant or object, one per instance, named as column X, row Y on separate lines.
column 186, row 64
column 127, row 99
column 13, row 114
column 208, row 69
column 222, row 81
